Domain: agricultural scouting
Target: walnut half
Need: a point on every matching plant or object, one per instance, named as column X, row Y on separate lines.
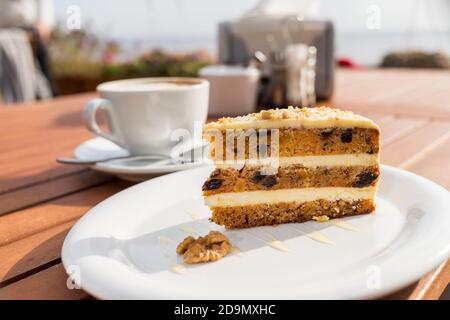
column 211, row 247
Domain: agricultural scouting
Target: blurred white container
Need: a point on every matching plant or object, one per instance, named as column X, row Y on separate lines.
column 233, row 89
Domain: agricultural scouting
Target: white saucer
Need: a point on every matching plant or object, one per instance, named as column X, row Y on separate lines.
column 136, row 170
column 124, row 248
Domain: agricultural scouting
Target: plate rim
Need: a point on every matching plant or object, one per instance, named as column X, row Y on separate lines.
column 401, row 281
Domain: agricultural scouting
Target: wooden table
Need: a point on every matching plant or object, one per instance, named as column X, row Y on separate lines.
column 40, row 200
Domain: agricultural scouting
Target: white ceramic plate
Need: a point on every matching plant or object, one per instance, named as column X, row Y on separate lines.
column 136, row 170
column 121, row 249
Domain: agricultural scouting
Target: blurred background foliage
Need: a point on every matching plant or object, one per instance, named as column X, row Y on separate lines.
column 80, row 61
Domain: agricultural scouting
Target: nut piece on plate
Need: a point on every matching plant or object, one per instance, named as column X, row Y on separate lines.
column 211, row 247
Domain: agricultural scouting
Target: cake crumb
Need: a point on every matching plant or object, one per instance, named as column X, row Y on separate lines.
column 321, row 218
column 212, row 247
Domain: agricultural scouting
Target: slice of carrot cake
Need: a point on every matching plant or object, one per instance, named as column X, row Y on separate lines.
column 291, row 165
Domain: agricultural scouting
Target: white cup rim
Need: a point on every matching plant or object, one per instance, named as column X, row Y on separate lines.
column 111, row 86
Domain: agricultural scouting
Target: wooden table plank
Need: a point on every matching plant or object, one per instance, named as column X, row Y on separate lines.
column 39, row 133
column 30, row 253
column 380, row 118
column 44, row 191
column 42, row 132
column 49, row 284
column 39, row 239
column 433, row 284
column 433, row 164
column 400, row 150
column 422, row 93
column 398, row 128
column 25, row 223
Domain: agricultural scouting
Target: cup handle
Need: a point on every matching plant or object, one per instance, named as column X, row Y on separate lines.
column 89, row 118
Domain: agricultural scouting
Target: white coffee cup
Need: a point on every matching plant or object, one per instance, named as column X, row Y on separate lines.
column 143, row 114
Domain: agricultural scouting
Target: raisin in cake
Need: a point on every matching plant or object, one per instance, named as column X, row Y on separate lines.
column 291, row 165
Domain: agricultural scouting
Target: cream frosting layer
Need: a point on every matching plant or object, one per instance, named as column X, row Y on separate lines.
column 322, row 117
column 309, row 124
column 341, row 160
column 233, row 199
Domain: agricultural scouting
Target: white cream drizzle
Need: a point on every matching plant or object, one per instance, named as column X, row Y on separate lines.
column 319, row 237
column 274, row 243
column 313, row 235
column 188, row 229
column 178, row 268
column 344, row 225
column 236, row 251
column 279, row 245
column 165, row 240
column 194, row 215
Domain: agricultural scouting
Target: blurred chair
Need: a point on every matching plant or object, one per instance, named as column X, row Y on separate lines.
column 21, row 79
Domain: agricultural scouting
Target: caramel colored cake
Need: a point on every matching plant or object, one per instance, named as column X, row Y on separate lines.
column 291, row 165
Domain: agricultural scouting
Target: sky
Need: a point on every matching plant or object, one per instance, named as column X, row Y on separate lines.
column 155, row 18
column 198, row 18
column 185, row 25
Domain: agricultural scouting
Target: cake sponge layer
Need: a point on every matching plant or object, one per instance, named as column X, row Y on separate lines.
column 290, row 142
column 287, row 212
column 251, row 178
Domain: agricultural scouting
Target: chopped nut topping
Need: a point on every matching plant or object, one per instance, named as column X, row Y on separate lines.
column 266, row 115
column 289, row 113
column 285, row 115
column 211, row 247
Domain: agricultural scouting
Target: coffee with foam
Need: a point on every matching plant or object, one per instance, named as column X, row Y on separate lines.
column 150, row 85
